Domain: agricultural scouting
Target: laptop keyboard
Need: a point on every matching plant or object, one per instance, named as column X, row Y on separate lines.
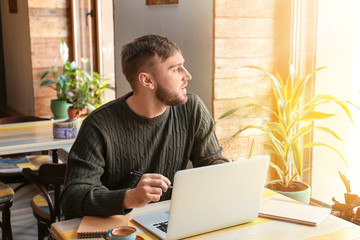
column 162, row 226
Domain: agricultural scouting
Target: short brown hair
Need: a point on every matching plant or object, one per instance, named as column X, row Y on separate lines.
column 143, row 53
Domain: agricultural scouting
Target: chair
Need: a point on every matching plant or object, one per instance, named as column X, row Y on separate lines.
column 11, row 168
column 19, row 119
column 11, row 165
column 46, row 205
column 6, row 201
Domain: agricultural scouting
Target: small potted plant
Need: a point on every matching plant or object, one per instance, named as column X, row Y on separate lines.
column 294, row 118
column 97, row 87
column 86, row 92
column 78, row 95
column 60, row 82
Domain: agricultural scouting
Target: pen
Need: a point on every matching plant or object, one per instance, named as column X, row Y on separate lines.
column 139, row 174
column 251, row 149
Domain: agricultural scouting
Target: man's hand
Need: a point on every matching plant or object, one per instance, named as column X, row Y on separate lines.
column 149, row 189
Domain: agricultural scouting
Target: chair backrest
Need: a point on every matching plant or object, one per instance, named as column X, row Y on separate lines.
column 49, row 176
column 19, row 119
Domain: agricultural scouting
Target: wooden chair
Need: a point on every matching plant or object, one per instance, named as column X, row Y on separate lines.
column 6, row 201
column 46, row 205
column 11, row 168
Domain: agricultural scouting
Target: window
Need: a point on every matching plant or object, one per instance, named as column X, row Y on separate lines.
column 93, row 38
column 329, row 36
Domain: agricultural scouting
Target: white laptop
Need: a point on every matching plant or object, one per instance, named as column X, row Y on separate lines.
column 209, row 198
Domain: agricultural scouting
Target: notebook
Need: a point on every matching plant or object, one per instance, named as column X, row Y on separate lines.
column 291, row 211
column 210, row 198
column 92, row 226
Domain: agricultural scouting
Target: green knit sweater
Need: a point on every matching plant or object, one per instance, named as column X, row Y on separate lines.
column 113, row 141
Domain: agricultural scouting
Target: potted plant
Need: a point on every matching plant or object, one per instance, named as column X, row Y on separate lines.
column 77, row 91
column 86, row 92
column 97, row 87
column 60, row 82
column 294, row 118
column 77, row 95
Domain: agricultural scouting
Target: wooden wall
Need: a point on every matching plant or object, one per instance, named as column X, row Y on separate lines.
column 50, row 21
column 246, row 32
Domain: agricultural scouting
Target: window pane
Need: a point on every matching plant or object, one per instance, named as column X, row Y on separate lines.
column 106, row 44
column 84, row 37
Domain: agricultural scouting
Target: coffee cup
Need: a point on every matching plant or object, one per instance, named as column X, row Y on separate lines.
column 122, row 233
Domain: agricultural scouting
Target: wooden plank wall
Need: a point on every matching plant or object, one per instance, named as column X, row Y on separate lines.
column 50, row 21
column 246, row 32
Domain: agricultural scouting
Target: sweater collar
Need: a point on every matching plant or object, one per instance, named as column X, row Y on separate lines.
column 139, row 118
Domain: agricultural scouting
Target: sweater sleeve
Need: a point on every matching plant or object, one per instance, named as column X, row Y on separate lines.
column 84, row 193
column 206, row 149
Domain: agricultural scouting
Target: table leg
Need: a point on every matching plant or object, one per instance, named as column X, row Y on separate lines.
column 55, row 156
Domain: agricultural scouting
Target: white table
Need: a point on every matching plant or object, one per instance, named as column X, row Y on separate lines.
column 31, row 137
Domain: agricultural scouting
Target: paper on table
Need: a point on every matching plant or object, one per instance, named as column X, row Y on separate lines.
column 291, row 211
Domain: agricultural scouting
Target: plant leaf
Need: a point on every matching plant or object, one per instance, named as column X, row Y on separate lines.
column 234, row 110
column 345, row 108
column 278, row 128
column 321, row 98
column 345, row 181
column 326, row 98
column 278, row 170
column 300, row 87
column 329, row 131
column 230, row 112
column 272, row 149
column 64, row 51
column 290, row 83
column 304, row 130
column 47, row 82
column 44, row 74
column 313, row 144
column 314, row 115
column 277, row 85
column 292, row 177
column 245, row 128
column 297, row 160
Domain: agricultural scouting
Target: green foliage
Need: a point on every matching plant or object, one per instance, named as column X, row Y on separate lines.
column 294, row 119
column 60, row 81
column 76, row 86
column 88, row 91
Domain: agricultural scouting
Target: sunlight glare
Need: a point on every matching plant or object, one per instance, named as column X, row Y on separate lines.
column 354, row 156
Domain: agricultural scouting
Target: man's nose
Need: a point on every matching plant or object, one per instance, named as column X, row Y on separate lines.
column 188, row 76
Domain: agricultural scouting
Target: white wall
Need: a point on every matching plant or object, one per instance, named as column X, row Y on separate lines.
column 337, row 27
column 17, row 57
column 188, row 23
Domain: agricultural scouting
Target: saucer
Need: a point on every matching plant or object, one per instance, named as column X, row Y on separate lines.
column 137, row 238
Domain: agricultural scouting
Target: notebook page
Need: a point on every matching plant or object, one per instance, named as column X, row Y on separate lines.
column 292, row 211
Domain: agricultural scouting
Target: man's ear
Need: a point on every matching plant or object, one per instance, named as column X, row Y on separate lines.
column 147, row 80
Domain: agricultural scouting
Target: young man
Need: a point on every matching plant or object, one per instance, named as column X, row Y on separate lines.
column 155, row 129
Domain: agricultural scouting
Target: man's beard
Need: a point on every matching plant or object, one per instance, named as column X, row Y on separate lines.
column 170, row 98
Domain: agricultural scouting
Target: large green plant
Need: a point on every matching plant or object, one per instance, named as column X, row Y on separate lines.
column 61, row 81
column 294, row 118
